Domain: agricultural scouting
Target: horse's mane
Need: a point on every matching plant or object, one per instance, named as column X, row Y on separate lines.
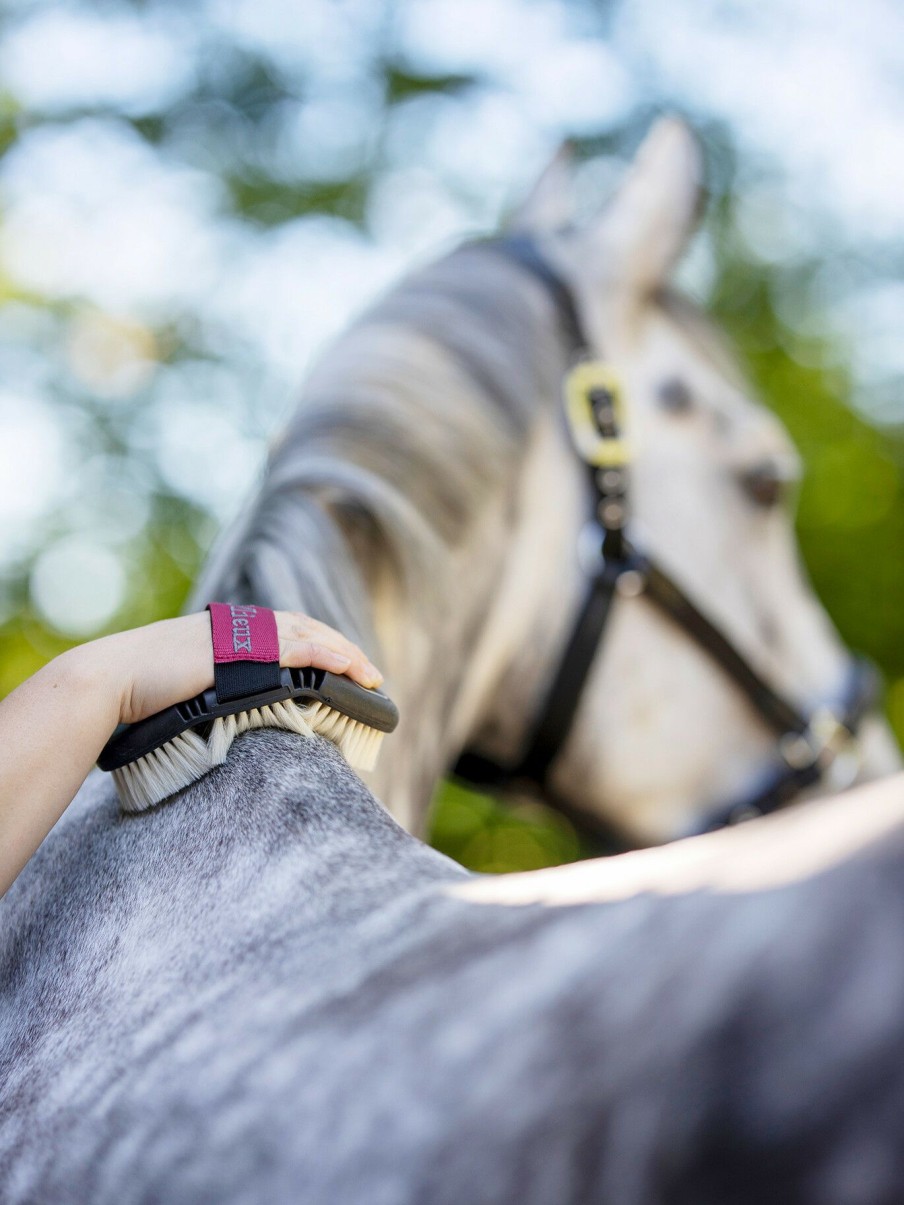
column 405, row 425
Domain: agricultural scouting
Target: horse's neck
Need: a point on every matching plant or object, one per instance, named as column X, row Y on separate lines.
column 421, row 626
column 416, row 503
column 474, row 671
column 537, row 593
column 465, row 640
column 442, row 658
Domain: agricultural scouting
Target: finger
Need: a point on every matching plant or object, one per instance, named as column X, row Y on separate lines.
column 299, row 653
column 322, row 655
column 301, row 628
column 308, row 628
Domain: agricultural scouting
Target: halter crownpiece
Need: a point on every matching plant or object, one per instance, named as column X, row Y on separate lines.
column 808, row 743
column 595, row 412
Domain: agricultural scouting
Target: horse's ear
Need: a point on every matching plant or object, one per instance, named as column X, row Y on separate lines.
column 549, row 204
column 647, row 224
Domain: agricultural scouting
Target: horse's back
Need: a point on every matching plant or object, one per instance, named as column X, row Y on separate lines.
column 264, row 992
column 268, row 992
column 163, row 958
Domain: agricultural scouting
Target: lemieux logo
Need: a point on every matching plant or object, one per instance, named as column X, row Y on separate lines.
column 241, row 628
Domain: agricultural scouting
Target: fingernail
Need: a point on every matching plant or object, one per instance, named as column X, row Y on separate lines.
column 373, row 672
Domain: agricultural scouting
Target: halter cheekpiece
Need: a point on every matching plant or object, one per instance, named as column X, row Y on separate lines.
column 807, row 742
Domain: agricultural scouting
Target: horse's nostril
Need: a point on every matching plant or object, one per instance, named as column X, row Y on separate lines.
column 764, row 484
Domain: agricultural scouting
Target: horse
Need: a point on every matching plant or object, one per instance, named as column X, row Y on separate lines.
column 433, row 486
column 269, row 989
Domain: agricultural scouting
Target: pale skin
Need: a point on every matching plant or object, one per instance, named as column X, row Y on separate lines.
column 53, row 726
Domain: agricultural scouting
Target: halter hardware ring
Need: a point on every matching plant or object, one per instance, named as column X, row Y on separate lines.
column 825, row 737
column 628, row 573
column 597, row 439
column 832, row 735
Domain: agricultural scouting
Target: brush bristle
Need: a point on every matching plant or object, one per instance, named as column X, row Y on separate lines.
column 188, row 757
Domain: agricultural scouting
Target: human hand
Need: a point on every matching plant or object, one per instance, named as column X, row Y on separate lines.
column 153, row 667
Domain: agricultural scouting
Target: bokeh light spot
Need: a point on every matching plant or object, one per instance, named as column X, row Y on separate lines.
column 115, row 357
column 77, row 586
column 30, row 467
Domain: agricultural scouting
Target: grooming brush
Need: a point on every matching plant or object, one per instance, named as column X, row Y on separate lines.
column 160, row 755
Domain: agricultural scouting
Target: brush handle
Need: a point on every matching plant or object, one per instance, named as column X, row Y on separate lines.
column 307, row 685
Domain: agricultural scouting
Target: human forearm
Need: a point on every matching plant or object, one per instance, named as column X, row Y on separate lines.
column 53, row 727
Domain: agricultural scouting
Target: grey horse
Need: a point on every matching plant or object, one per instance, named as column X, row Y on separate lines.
column 268, row 990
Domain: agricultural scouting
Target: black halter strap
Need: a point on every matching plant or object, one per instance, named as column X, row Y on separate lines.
column 807, row 743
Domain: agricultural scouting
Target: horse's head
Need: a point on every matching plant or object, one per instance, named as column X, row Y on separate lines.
column 662, row 734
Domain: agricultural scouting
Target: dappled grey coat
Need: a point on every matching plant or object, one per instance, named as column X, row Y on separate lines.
column 266, row 991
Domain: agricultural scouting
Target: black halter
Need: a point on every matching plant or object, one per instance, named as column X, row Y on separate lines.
column 807, row 742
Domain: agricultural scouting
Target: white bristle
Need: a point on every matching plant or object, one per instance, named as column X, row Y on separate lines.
column 188, row 757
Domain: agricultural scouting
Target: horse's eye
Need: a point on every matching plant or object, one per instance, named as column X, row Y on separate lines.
column 765, row 484
column 675, row 396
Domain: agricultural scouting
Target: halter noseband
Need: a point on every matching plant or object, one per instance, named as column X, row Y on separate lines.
column 807, row 743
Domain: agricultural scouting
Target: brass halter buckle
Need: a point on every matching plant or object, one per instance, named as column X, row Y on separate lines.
column 595, row 412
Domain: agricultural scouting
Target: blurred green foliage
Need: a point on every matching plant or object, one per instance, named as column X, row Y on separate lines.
column 228, row 125
column 850, row 518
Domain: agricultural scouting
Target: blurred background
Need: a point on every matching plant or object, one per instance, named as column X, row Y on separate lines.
column 194, row 196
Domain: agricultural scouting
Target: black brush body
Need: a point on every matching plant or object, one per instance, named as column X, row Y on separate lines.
column 306, row 685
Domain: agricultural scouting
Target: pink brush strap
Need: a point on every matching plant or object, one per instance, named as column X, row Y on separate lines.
column 245, row 650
